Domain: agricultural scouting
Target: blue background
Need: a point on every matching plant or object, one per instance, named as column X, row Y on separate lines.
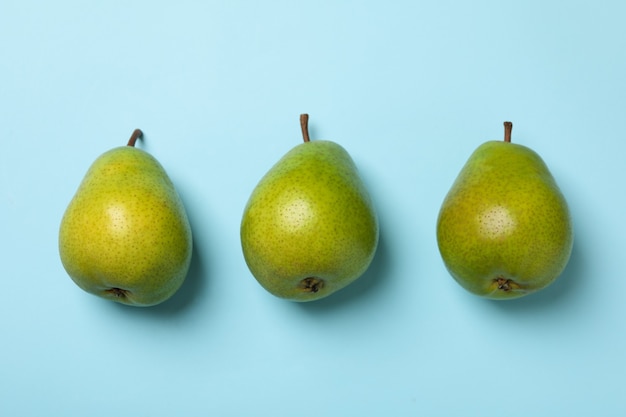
column 410, row 89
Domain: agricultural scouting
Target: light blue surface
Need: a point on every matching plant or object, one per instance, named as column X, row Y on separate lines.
column 410, row 89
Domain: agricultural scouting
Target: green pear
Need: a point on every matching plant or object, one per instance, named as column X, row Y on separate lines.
column 309, row 227
column 504, row 228
column 125, row 235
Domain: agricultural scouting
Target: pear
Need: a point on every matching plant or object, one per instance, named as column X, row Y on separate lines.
column 504, row 228
column 309, row 227
column 125, row 235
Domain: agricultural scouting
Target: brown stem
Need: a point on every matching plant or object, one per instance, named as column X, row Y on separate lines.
column 304, row 124
column 137, row 134
column 508, row 127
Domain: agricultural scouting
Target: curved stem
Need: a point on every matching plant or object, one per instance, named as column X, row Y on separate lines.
column 137, row 134
column 508, row 127
column 304, row 124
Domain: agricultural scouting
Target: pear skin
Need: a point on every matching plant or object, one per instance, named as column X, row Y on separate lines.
column 504, row 228
column 125, row 235
column 309, row 227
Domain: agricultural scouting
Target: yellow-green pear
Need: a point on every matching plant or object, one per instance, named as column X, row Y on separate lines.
column 504, row 228
column 125, row 235
column 309, row 227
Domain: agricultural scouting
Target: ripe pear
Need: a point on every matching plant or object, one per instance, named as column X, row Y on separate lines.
column 504, row 229
column 125, row 235
column 309, row 227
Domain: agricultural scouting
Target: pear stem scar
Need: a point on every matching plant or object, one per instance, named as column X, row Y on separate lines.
column 304, row 124
column 508, row 127
column 137, row 134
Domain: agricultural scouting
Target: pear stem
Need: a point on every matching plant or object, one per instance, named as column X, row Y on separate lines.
column 304, row 124
column 137, row 134
column 508, row 127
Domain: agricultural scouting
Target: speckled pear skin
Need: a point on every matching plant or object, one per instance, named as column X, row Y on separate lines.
column 504, row 228
column 309, row 227
column 125, row 235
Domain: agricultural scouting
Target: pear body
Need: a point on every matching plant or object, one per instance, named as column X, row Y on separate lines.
column 125, row 235
column 504, row 228
column 309, row 227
